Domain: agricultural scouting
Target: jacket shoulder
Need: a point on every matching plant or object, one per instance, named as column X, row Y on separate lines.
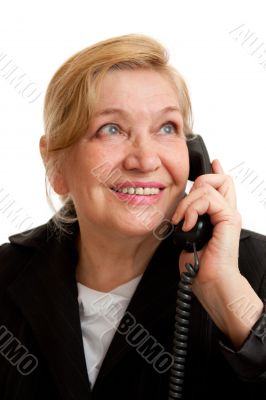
column 12, row 259
column 20, row 248
column 246, row 233
column 252, row 259
column 23, row 246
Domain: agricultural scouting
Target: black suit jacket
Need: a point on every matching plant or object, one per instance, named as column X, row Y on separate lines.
column 41, row 349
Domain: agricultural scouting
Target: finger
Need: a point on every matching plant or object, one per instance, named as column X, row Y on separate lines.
column 217, row 167
column 213, row 202
column 186, row 201
column 224, row 184
column 202, row 206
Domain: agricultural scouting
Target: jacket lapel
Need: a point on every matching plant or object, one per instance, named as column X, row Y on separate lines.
column 46, row 293
column 157, row 288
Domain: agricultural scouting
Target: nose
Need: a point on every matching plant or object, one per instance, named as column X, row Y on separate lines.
column 142, row 155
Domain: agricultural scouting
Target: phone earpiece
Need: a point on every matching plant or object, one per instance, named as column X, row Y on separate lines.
column 199, row 163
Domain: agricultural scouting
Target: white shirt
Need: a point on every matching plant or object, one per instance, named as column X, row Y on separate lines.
column 100, row 314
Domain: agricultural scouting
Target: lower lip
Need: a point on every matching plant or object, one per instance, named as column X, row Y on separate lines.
column 138, row 199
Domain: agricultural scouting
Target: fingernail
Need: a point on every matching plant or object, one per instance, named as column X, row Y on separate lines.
column 175, row 219
column 184, row 226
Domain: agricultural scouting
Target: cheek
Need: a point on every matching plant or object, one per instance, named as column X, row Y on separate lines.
column 179, row 167
column 101, row 167
column 89, row 166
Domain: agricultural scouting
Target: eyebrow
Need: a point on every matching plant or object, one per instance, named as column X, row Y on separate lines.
column 113, row 110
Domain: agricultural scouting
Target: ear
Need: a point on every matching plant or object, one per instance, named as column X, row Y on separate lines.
column 53, row 168
column 43, row 149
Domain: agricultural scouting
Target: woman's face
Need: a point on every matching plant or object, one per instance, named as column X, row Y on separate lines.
column 135, row 144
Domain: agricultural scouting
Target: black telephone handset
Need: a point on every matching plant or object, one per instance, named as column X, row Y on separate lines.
column 200, row 164
column 190, row 241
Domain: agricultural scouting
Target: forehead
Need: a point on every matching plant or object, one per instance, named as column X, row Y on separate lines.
column 146, row 89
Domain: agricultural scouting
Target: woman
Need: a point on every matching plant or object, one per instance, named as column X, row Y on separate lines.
column 88, row 299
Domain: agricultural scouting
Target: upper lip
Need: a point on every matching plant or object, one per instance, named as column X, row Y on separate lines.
column 135, row 184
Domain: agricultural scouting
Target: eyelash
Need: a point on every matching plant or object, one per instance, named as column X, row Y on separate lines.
column 174, row 125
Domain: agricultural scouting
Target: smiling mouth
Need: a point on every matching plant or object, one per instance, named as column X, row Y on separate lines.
column 139, row 191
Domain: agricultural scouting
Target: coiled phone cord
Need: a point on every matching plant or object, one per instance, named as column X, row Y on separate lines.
column 182, row 319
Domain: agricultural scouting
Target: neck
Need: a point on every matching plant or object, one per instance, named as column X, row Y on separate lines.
column 106, row 261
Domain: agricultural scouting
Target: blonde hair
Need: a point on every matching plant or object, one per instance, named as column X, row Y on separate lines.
column 72, row 94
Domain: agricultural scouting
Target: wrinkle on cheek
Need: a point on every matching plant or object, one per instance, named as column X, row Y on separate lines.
column 179, row 162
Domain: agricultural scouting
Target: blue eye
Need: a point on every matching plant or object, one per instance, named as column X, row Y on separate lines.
column 170, row 127
column 109, row 129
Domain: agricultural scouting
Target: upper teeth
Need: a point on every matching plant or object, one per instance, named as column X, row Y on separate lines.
column 138, row 190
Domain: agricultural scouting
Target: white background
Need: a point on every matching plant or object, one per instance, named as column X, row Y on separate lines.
column 227, row 86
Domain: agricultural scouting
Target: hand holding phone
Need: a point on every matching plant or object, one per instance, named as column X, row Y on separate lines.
column 221, row 204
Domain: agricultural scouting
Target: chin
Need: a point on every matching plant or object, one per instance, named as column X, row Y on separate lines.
column 141, row 227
